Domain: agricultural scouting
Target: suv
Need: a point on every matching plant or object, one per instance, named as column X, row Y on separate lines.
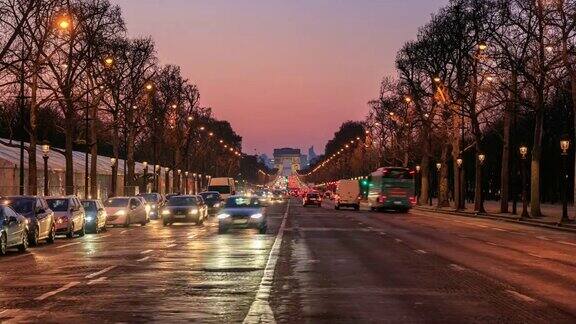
column 70, row 215
column 312, row 198
column 41, row 223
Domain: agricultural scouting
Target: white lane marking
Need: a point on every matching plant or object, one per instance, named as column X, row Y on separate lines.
column 171, row 242
column 520, row 296
column 499, row 229
column 20, row 256
column 103, row 236
column 124, row 231
column 457, row 267
column 143, row 259
column 94, row 281
column 398, row 240
column 260, row 310
column 479, row 225
column 192, row 236
column 171, row 245
column 536, row 255
column 567, row 243
column 96, row 274
column 146, row 251
column 544, row 238
column 420, row 251
column 59, row 290
column 66, row 245
column 383, row 233
column 492, row 243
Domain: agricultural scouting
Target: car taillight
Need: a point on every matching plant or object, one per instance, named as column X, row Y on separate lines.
column 413, row 201
column 382, row 198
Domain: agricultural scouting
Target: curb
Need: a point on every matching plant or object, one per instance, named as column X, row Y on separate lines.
column 557, row 227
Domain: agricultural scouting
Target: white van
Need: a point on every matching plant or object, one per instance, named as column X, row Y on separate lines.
column 225, row 186
column 347, row 194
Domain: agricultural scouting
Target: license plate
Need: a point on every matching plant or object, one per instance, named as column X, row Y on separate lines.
column 240, row 221
column 179, row 216
column 397, row 203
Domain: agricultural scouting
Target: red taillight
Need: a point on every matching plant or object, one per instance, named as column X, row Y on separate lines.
column 382, row 198
column 413, row 201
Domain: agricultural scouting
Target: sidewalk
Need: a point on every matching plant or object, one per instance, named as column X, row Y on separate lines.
column 551, row 213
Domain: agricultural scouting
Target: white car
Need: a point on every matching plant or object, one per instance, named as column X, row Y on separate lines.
column 125, row 211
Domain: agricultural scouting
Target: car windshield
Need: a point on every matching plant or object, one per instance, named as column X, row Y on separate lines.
column 149, row 197
column 210, row 196
column 220, row 189
column 242, row 202
column 58, row 205
column 403, row 174
column 313, row 195
column 20, row 205
column 89, row 205
column 182, row 201
column 116, row 202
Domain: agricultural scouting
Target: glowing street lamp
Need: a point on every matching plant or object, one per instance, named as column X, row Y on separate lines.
column 523, row 149
column 482, row 46
column 564, row 146
column 114, row 165
column 45, row 156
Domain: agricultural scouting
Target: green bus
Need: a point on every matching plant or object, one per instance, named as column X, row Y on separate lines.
column 391, row 188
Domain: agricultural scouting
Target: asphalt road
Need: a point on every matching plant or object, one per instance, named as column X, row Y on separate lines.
column 140, row 274
column 365, row 267
column 315, row 265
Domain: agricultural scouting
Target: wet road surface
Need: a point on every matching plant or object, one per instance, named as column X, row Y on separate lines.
column 365, row 267
column 139, row 274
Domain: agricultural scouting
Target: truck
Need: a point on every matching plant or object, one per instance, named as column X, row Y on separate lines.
column 392, row 188
column 225, row 186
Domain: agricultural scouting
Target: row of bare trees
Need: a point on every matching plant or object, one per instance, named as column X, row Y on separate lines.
column 68, row 65
column 482, row 79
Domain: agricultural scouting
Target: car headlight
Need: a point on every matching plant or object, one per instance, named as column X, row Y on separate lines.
column 89, row 218
column 165, row 212
column 223, row 216
column 153, row 206
column 216, row 205
column 121, row 212
column 256, row 216
column 193, row 211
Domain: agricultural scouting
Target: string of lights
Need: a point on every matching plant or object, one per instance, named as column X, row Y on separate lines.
column 348, row 146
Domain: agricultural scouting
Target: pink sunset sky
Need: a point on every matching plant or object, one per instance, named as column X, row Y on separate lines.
column 283, row 72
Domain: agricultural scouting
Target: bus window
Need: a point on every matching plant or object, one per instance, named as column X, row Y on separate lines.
column 402, row 174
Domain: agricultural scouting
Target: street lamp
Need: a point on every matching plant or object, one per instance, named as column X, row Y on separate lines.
column 186, row 182
column 438, row 168
column 481, row 159
column 45, row 156
column 564, row 146
column 460, row 202
column 523, row 156
column 179, row 182
column 145, row 177
column 108, row 61
column 482, row 46
column 194, row 175
column 418, row 184
column 113, row 164
column 167, row 179
column 157, row 178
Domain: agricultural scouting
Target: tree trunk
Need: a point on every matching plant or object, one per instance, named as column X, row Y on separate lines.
column 94, row 153
column 425, row 175
column 69, row 130
column 116, row 153
column 131, row 174
column 505, row 170
column 443, row 196
column 535, row 166
column 32, row 163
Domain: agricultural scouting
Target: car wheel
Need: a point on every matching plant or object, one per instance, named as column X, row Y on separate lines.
column 82, row 231
column 35, row 238
column 52, row 235
column 143, row 223
column 3, row 244
column 356, row 207
column 337, row 207
column 126, row 222
column 24, row 245
column 70, row 233
column 222, row 230
column 263, row 229
column 165, row 223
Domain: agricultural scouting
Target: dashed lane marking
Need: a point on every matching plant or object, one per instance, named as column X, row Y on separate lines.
column 535, row 255
column 420, row 251
column 143, row 259
column 146, row 251
column 567, row 243
column 457, row 267
column 492, row 243
column 520, row 296
column 57, row 291
column 398, row 240
column 171, row 245
column 383, row 233
column 544, row 238
column 95, row 281
column 499, row 229
column 192, row 236
column 66, row 245
column 125, row 231
column 96, row 274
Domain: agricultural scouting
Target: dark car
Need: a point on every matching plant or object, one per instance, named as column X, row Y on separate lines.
column 242, row 212
column 13, row 230
column 213, row 200
column 184, row 209
column 41, row 224
column 312, row 199
column 95, row 215
column 154, row 201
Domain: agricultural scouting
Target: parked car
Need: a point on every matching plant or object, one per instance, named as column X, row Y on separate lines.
column 125, row 211
column 69, row 214
column 184, row 209
column 312, row 198
column 13, row 230
column 242, row 212
column 155, row 201
column 347, row 194
column 213, row 201
column 41, row 222
column 95, row 215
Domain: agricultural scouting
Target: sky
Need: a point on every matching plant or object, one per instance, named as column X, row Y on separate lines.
column 284, row 73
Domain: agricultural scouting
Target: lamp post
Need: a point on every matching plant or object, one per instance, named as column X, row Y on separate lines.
column 145, row 177
column 460, row 202
column 523, row 156
column 481, row 159
column 185, row 182
column 113, row 164
column 438, row 168
column 167, row 179
column 417, row 187
column 194, row 175
column 200, row 184
column 157, row 178
column 179, row 181
column 45, row 156
column 564, row 146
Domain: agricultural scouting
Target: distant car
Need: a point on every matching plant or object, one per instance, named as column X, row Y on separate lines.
column 347, row 194
column 125, row 211
column 277, row 195
column 147, row 207
column 41, row 222
column 328, row 194
column 69, row 215
column 13, row 230
column 184, row 209
column 312, row 199
column 95, row 215
column 213, row 201
column 242, row 212
column 155, row 201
